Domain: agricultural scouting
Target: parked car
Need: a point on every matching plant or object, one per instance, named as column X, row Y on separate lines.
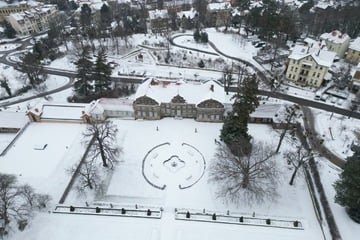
column 324, row 97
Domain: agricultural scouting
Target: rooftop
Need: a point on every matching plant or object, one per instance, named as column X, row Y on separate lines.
column 355, row 44
column 335, row 37
column 164, row 91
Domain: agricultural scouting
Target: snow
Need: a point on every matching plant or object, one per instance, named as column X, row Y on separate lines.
column 335, row 36
column 321, row 56
column 63, row 112
column 137, row 138
column 191, row 92
column 46, row 169
column 355, row 44
column 12, row 119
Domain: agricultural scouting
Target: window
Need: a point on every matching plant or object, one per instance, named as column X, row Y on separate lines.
column 320, row 68
column 292, row 68
column 295, row 69
column 314, row 74
column 289, row 76
column 318, row 75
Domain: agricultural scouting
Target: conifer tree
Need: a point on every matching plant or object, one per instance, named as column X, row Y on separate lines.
column 235, row 128
column 102, row 73
column 348, row 187
column 82, row 85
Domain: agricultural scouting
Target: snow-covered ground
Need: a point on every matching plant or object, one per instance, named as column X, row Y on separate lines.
column 46, row 169
column 128, row 186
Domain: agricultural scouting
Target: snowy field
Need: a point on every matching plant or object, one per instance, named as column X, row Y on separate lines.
column 128, row 186
column 44, row 169
column 337, row 131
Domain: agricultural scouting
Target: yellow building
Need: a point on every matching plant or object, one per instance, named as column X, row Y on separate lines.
column 33, row 20
column 7, row 9
column 353, row 54
column 309, row 64
column 336, row 41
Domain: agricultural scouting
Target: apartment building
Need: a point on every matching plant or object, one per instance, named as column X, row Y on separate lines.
column 337, row 42
column 353, row 53
column 7, row 9
column 309, row 64
column 33, row 20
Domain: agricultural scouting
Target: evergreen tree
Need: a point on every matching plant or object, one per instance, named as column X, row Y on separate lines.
column 82, row 85
column 9, row 31
column 85, row 15
column 102, row 73
column 105, row 16
column 235, row 129
column 348, row 187
column 197, row 35
column 204, row 37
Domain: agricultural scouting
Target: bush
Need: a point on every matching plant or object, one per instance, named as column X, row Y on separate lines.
column 296, row 223
column 148, row 213
column 241, row 219
column 268, row 221
column 72, row 209
column 201, row 64
column 197, row 35
column 97, row 210
column 204, row 37
column 123, row 211
column 214, row 216
column 187, row 214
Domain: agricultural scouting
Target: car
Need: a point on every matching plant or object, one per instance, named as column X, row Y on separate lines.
column 333, row 99
column 260, row 45
column 324, row 97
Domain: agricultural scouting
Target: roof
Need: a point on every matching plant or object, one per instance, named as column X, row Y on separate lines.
column 317, row 52
column 12, row 119
column 218, row 6
column 109, row 104
column 187, row 14
column 355, row 44
column 193, row 93
column 335, row 37
column 67, row 111
column 154, row 14
column 266, row 111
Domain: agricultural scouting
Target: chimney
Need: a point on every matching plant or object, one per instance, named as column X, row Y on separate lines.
column 212, row 87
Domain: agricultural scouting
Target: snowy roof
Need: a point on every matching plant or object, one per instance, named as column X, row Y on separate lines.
column 266, row 111
column 256, row 4
column 319, row 54
column 355, row 44
column 12, row 119
column 335, row 37
column 188, row 14
column 195, row 93
column 109, row 104
column 154, row 14
column 218, row 6
column 69, row 111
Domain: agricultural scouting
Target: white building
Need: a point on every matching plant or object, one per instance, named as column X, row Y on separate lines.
column 33, row 20
column 336, row 41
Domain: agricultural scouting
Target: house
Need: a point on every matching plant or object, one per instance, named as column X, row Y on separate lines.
column 186, row 19
column 104, row 108
column 353, row 53
column 218, row 14
column 309, row 63
column 336, row 41
column 265, row 113
column 156, row 99
column 33, row 20
column 7, row 9
column 159, row 20
column 355, row 80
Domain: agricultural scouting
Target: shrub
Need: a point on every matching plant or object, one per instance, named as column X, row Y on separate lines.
column 241, row 219
column 268, row 221
column 214, row 216
column 72, row 208
column 97, row 209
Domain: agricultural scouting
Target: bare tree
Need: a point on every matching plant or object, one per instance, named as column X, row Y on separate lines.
column 289, row 119
column 245, row 178
column 17, row 202
column 104, row 145
column 88, row 176
column 297, row 159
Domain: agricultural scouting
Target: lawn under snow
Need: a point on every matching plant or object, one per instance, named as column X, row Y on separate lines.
column 128, row 186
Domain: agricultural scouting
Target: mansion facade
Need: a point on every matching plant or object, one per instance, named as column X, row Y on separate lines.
column 159, row 99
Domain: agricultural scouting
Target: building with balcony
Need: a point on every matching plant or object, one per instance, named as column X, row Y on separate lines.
column 33, row 20
column 7, row 9
column 309, row 64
